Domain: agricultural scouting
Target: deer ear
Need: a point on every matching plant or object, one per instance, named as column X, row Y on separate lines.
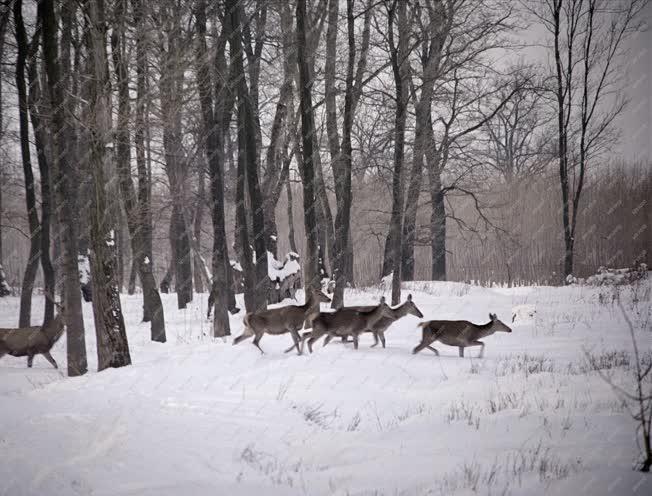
column 410, row 297
column 382, row 300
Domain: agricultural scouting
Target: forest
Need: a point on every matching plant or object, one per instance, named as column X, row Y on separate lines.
column 261, row 146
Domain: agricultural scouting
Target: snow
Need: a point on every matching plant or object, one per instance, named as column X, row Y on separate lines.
column 523, row 312
column 146, row 261
column 84, row 268
column 236, row 265
column 203, row 417
column 280, row 270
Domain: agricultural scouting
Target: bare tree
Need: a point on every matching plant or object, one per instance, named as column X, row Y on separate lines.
column 65, row 192
column 30, row 193
column 248, row 161
column 400, row 69
column 587, row 40
column 137, row 205
column 311, row 274
column 341, row 153
column 214, row 147
column 112, row 346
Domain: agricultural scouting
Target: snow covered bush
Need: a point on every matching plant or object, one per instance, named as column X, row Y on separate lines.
column 611, row 277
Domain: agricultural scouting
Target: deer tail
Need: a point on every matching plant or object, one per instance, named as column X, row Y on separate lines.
column 423, row 324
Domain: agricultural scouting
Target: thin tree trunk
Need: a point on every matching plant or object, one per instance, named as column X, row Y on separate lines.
column 136, row 204
column 198, row 264
column 247, row 146
column 40, row 141
column 65, row 191
column 214, row 147
column 30, row 195
column 290, row 215
column 399, row 68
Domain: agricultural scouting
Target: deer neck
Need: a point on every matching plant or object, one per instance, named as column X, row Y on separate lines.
column 54, row 329
column 483, row 330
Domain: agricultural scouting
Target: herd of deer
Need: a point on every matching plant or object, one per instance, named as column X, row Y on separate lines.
column 353, row 321
column 343, row 323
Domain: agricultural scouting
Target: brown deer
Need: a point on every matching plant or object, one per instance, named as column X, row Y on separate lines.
column 378, row 330
column 276, row 321
column 346, row 322
column 460, row 333
column 30, row 341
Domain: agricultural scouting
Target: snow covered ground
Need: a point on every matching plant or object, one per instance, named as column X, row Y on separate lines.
column 199, row 416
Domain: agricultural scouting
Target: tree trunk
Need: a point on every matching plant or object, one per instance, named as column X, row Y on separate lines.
column 40, row 141
column 290, row 215
column 247, row 147
column 136, row 204
column 311, row 276
column 214, row 149
column 30, row 195
column 399, row 68
column 198, row 265
column 4, row 20
column 133, row 272
column 342, row 174
column 65, row 192
column 437, row 229
column 112, row 345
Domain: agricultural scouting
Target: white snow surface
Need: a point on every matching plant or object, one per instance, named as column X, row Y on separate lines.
column 280, row 270
column 199, row 416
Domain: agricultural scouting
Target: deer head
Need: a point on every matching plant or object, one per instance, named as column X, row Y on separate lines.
column 497, row 325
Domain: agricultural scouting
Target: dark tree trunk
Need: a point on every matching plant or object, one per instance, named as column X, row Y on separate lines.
column 311, row 275
column 65, row 192
column 112, row 345
column 342, row 174
column 437, row 229
column 214, row 148
column 398, row 55
column 290, row 214
column 133, row 273
column 198, row 264
column 5, row 13
column 30, row 194
column 136, row 204
column 40, row 141
column 247, row 147
column 242, row 231
column 152, row 305
column 176, row 165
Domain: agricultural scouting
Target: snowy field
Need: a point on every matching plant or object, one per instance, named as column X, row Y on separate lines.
column 197, row 416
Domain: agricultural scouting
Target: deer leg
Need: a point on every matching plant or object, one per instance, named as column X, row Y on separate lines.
column 246, row 334
column 49, row 358
column 355, row 341
column 345, row 339
column 478, row 343
column 257, row 340
column 30, row 360
column 433, row 350
column 328, row 339
column 297, row 339
column 375, row 340
column 461, row 348
column 381, row 335
column 426, row 339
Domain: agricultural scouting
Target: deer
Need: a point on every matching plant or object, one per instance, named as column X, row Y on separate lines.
column 460, row 333
column 378, row 330
column 346, row 322
column 281, row 320
column 31, row 341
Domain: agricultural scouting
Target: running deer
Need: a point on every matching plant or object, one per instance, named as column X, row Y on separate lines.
column 30, row 341
column 460, row 333
column 378, row 330
column 346, row 322
column 276, row 321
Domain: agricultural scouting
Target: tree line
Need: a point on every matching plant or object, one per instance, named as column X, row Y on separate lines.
column 225, row 115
